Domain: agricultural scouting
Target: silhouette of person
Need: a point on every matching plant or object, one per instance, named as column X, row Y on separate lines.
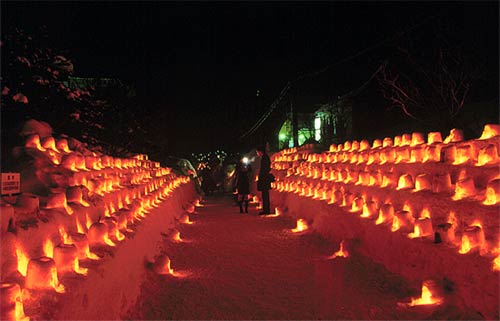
column 264, row 180
column 243, row 185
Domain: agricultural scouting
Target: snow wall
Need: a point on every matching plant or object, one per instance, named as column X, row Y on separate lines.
column 76, row 243
column 425, row 209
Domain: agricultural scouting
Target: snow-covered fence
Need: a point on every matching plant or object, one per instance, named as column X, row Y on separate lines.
column 426, row 210
column 78, row 207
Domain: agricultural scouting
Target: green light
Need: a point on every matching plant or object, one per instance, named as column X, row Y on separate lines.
column 282, row 136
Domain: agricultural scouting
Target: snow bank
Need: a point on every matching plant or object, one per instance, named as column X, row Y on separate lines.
column 426, row 211
column 76, row 242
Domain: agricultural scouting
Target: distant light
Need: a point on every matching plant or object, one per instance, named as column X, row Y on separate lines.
column 245, row 160
column 282, row 136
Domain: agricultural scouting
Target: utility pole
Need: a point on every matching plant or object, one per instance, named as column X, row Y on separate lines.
column 293, row 112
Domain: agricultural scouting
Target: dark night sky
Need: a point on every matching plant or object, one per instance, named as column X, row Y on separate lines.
column 199, row 65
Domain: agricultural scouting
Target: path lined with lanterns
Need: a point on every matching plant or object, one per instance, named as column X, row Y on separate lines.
column 226, row 265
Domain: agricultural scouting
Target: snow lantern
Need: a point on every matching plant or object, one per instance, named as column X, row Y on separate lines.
column 490, row 131
column 11, row 302
column 434, row 137
column 455, row 136
column 42, row 274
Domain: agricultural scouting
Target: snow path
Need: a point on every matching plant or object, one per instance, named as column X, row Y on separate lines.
column 242, row 266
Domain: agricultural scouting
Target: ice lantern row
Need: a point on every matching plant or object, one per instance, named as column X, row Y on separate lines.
column 41, row 273
column 410, row 149
column 60, row 154
column 472, row 236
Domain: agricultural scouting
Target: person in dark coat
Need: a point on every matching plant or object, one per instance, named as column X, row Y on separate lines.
column 264, row 180
column 243, row 185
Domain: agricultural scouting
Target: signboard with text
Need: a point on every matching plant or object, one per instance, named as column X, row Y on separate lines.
column 11, row 183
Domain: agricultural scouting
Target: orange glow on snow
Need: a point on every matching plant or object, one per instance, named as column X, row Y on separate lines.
column 340, row 253
column 301, row 226
column 395, row 224
column 465, row 246
column 48, row 248
column 22, row 260
column 42, row 274
column 64, row 236
column 416, row 232
column 88, row 221
column 426, row 298
column 185, row 219
column 79, row 226
column 12, row 302
column 496, row 264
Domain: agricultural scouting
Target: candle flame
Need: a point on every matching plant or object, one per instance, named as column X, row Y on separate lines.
column 416, row 232
column 496, row 264
column 426, row 298
column 491, row 196
column 88, row 221
column 301, row 226
column 79, row 226
column 340, row 253
column 64, row 235
column 395, row 224
column 48, row 248
column 78, row 269
column 119, row 235
column 108, row 241
column 22, row 260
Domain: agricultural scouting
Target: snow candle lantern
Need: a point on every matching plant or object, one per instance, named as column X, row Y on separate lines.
column 388, row 156
column 162, row 265
column 417, row 139
column 377, row 143
column 62, row 145
column 434, row 137
column 402, row 220
column 487, row 155
column 455, row 136
column 81, row 243
column 490, row 131
column 11, row 302
column 406, row 139
column 348, row 199
column 423, row 182
column 50, row 143
column 66, row 259
column 432, row 153
column 98, row 234
column 33, row 141
column 364, row 145
column 441, row 183
column 472, row 238
column 69, row 162
column 75, row 195
column 464, row 188
column 405, row 181
column 429, row 295
column 390, row 179
column 402, row 155
column 357, row 204
column 370, row 209
column 386, row 213
column 42, row 274
column 363, row 178
column 492, row 192
column 301, row 226
column 58, row 200
column 387, row 142
column 422, row 228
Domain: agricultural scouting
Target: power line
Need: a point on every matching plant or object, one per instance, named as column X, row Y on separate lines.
column 326, row 68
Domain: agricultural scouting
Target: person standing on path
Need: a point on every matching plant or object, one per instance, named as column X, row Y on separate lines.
column 243, row 184
column 264, row 180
